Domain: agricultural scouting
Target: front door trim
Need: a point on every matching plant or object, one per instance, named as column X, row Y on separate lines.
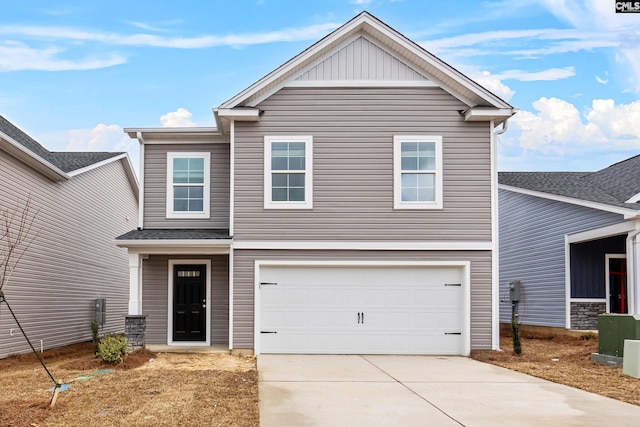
column 172, row 263
column 607, row 276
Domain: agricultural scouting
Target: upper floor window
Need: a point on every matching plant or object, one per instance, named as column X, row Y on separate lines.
column 288, row 176
column 188, row 185
column 417, row 172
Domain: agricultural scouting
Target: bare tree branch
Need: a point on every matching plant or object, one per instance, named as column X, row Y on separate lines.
column 16, row 236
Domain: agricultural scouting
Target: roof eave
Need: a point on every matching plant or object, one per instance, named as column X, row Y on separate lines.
column 485, row 114
column 172, row 132
column 176, row 246
column 628, row 213
column 30, row 158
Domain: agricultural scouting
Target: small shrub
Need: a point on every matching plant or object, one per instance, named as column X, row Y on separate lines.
column 588, row 336
column 112, row 347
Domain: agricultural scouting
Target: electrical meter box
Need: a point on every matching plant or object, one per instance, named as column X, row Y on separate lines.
column 101, row 311
column 514, row 291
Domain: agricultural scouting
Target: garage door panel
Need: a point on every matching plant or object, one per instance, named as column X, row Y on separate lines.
column 361, row 310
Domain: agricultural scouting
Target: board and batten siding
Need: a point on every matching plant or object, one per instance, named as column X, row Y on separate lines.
column 361, row 60
column 244, row 285
column 155, row 186
column 352, row 130
column 532, row 249
column 73, row 258
column 155, row 288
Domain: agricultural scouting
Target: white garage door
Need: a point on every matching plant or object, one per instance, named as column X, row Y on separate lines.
column 361, row 310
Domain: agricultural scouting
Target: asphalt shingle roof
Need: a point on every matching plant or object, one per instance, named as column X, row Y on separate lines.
column 66, row 161
column 70, row 161
column 177, row 234
column 613, row 185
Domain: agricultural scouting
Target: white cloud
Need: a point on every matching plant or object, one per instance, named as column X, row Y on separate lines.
column 530, row 76
column 179, row 118
column 311, row 32
column 545, row 41
column 601, row 80
column 557, row 127
column 361, row 2
column 18, row 57
column 101, row 138
column 493, row 84
column 620, row 123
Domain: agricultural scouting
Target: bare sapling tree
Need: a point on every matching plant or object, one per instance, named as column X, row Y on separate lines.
column 16, row 235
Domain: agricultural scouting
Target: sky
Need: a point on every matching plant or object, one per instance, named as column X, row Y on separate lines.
column 73, row 74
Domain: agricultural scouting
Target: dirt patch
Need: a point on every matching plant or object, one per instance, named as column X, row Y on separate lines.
column 147, row 389
column 566, row 360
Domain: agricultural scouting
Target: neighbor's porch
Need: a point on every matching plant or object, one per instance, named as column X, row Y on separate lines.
column 601, row 275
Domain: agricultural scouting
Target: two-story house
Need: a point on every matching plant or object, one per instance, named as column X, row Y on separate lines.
column 67, row 206
column 344, row 203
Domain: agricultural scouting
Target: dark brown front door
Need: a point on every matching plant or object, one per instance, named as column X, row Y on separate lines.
column 189, row 303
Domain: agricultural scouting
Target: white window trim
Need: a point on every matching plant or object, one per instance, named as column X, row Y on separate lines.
column 308, row 172
column 397, row 172
column 205, row 214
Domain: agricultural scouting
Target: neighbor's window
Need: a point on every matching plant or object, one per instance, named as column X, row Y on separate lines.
column 288, row 165
column 417, row 172
column 188, row 185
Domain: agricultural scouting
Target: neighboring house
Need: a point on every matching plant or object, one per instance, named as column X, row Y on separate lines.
column 571, row 239
column 345, row 203
column 81, row 200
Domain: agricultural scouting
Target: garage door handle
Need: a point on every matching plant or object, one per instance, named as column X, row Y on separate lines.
column 453, row 333
column 362, row 318
column 358, row 318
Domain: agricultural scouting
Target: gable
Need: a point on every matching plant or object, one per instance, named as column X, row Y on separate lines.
column 417, row 65
column 361, row 60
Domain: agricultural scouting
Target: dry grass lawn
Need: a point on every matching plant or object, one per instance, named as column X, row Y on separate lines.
column 222, row 390
column 146, row 390
column 566, row 360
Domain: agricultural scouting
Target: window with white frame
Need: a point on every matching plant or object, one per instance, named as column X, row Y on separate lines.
column 188, row 185
column 417, row 172
column 288, row 176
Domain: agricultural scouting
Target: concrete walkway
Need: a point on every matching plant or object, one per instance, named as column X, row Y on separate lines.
column 303, row 390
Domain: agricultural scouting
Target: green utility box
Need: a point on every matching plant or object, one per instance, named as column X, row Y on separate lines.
column 613, row 329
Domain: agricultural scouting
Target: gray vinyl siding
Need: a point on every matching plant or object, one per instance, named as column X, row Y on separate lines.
column 532, row 250
column 361, row 60
column 352, row 130
column 155, row 186
column 155, row 288
column 244, row 287
column 73, row 258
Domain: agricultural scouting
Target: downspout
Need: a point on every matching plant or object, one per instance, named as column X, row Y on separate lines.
column 141, row 198
column 505, row 127
column 631, row 272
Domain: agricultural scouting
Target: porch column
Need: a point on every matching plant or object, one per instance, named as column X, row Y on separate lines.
column 633, row 260
column 135, row 284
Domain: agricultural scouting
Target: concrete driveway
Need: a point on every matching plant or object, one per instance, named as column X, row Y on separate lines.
column 304, row 390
